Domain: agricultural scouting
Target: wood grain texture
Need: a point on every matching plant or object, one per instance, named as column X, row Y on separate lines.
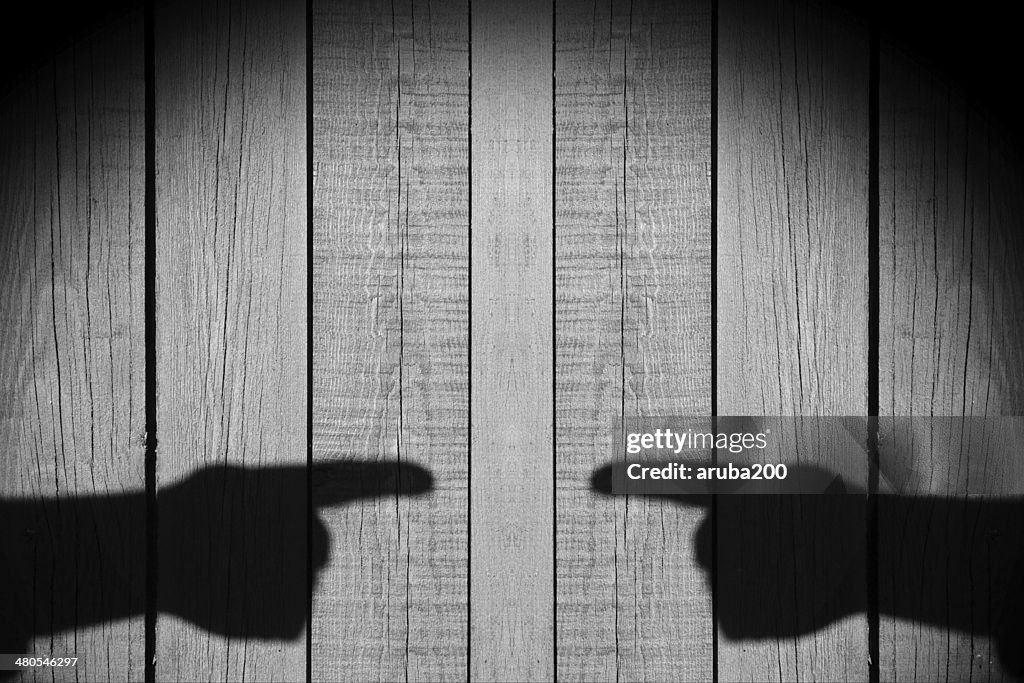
column 633, row 286
column 72, row 406
column 792, row 322
column 512, row 493
column 391, row 326
column 230, row 127
column 949, row 244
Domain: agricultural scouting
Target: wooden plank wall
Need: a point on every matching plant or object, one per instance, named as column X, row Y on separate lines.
column 510, row 208
column 949, row 233
column 792, row 320
column 512, row 482
column 633, row 204
column 390, row 332
column 72, row 413
column 230, row 212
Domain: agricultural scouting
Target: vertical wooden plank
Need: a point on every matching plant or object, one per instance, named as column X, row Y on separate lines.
column 589, row 174
column 231, row 339
column 391, row 325
column 633, row 284
column 792, row 326
column 512, row 493
column 72, row 415
column 949, row 344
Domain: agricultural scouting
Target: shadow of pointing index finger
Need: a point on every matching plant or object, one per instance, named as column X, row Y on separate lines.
column 336, row 483
column 784, row 566
column 236, row 547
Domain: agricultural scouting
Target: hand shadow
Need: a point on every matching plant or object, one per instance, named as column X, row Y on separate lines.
column 789, row 565
column 232, row 548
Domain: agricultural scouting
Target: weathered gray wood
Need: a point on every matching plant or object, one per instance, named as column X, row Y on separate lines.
column 231, row 335
column 391, row 325
column 633, row 283
column 512, row 493
column 792, row 323
column 949, row 344
column 72, row 355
